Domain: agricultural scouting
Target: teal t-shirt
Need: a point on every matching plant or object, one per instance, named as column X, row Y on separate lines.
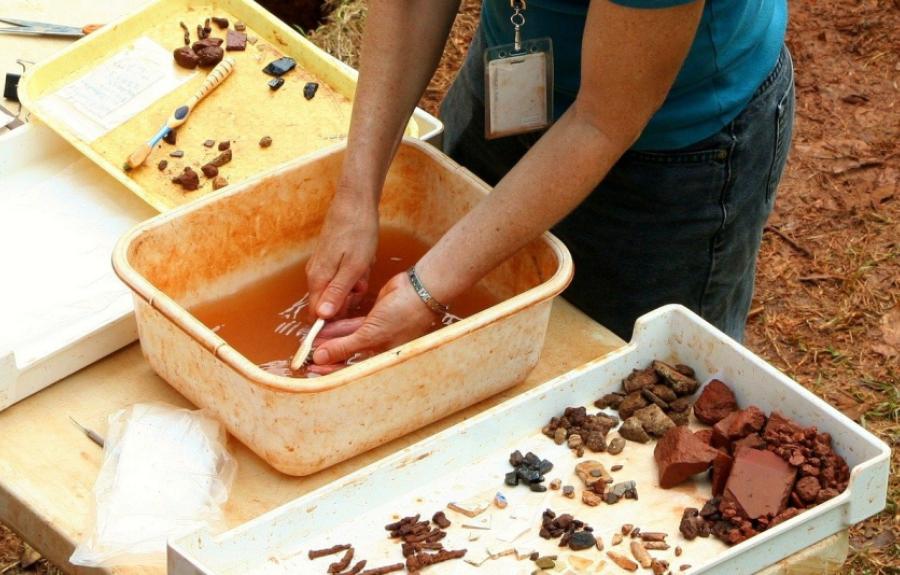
column 736, row 46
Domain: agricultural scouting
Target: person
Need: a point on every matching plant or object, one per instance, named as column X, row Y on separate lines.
column 673, row 120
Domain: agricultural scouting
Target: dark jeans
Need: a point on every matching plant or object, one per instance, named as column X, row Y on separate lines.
column 672, row 226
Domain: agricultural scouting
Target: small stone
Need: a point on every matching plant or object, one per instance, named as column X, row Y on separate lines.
column 219, row 182
column 680, row 417
column 616, row 467
column 240, row 26
column 715, row 402
column 210, row 171
column 654, row 420
column 500, row 501
column 224, row 145
column 679, row 455
column 616, row 539
column 209, row 143
column 265, row 142
column 222, row 23
column 210, row 56
column 616, row 446
column 170, row 137
column 221, row 159
column 511, row 479
column 655, row 399
column 580, row 564
column 582, row 540
column 575, row 441
column 579, row 451
column 639, row 379
column 609, row 400
column 808, row 488
column 678, row 551
column 633, row 430
column 684, row 567
column 309, row 90
column 280, row 66
column 680, row 405
column 568, row 491
column 590, row 498
column 186, row 58
column 555, row 484
column 591, row 471
column 162, row 165
column 177, row 154
column 537, row 487
column 622, row 561
column 559, row 436
column 545, row 563
column 664, row 392
column 275, row 83
column 631, row 403
column 596, row 442
column 188, row 179
column 680, row 383
column 626, row 528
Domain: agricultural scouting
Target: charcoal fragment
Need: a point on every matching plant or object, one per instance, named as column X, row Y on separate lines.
column 188, row 179
column 210, row 171
column 222, row 23
column 310, row 89
column 177, row 154
column 280, row 66
column 162, row 165
column 275, row 83
column 170, row 137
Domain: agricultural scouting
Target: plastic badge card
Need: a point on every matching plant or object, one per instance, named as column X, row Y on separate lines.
column 518, row 88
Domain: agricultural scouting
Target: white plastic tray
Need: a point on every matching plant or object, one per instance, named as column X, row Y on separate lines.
column 61, row 306
column 470, row 458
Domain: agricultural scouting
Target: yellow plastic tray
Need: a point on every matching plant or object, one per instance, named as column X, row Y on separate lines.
column 243, row 109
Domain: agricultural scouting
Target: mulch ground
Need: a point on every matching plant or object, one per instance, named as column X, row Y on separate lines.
column 827, row 304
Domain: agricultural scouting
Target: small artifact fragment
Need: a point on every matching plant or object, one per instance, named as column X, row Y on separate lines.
column 568, row 491
column 177, row 154
column 500, row 501
column 580, row 564
column 737, row 425
column 219, row 182
column 209, row 170
column 640, row 379
column 316, row 553
column 343, row 563
column 221, row 159
column 222, row 23
column 224, row 145
column 555, row 484
column 170, row 137
column 187, row 33
column 545, row 563
column 654, row 420
column 280, row 66
column 440, row 519
column 656, row 545
column 591, row 471
column 528, row 469
column 627, row 528
column 679, row 455
column 680, row 383
column 265, row 142
column 623, row 490
column 575, row 441
column 616, row 539
column 470, row 508
column 678, row 551
column 659, row 567
column 616, row 446
column 760, row 483
column 693, row 525
column 640, row 554
column 240, row 26
column 310, row 89
column 210, row 56
column 653, row 536
column 616, row 467
column 186, row 58
column 209, row 143
column 162, row 165
column 590, row 498
column 559, row 436
column 632, row 402
column 622, row 561
column 235, row 41
column 275, row 83
column 715, row 402
column 684, row 567
column 188, row 179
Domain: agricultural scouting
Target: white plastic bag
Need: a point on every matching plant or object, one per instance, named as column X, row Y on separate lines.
column 166, row 472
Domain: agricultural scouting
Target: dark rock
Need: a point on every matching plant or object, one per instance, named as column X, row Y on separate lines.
column 186, row 58
column 616, row 446
column 188, row 179
column 177, row 154
column 309, row 90
column 639, row 379
column 691, row 523
column 632, row 430
column 210, row 56
column 654, row 420
column 210, row 171
column 664, row 392
column 680, row 383
column 222, row 23
column 275, row 83
column 610, row 400
column 224, row 145
column 685, row 369
column 807, row 489
column 760, row 483
column 655, row 399
column 512, row 479
column 162, row 165
column 170, row 137
column 679, row 454
column 221, row 159
column 206, row 43
column 582, row 540
column 632, row 402
column 280, row 66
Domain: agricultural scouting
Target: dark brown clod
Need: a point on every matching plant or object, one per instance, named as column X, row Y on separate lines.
column 221, row 159
column 162, row 165
column 265, row 142
column 222, row 23
column 235, row 40
column 316, row 553
column 219, row 182
column 224, row 145
column 186, row 58
column 177, row 154
column 188, row 180
column 210, row 56
column 206, row 43
column 344, row 562
column 210, row 171
column 170, row 137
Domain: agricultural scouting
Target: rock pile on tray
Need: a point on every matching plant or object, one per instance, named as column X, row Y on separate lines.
column 764, row 470
column 653, row 400
column 575, row 534
column 579, row 430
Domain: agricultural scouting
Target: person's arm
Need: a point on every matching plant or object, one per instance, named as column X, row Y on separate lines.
column 402, row 45
column 630, row 58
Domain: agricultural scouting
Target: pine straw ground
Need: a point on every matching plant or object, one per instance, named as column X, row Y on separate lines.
column 827, row 305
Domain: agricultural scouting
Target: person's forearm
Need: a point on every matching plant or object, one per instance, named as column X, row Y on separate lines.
column 402, row 46
column 566, row 164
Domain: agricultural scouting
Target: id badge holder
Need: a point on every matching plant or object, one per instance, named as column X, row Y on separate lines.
column 518, row 83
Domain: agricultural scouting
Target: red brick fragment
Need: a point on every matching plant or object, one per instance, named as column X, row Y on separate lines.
column 680, row 454
column 737, row 425
column 716, row 401
column 760, row 483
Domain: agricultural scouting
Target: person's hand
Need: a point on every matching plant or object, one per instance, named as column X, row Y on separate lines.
column 399, row 316
column 338, row 271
